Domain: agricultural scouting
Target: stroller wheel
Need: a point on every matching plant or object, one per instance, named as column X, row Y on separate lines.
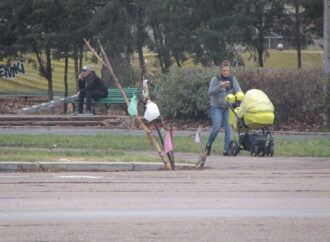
column 270, row 149
column 262, row 150
column 233, row 147
column 254, row 149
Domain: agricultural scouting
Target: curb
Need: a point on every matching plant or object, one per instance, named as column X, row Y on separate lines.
column 86, row 166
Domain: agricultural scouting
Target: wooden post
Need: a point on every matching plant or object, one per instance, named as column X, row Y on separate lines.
column 169, row 156
column 326, row 33
column 326, row 53
column 107, row 65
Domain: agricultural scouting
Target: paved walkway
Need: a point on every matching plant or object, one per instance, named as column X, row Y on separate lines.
column 103, row 130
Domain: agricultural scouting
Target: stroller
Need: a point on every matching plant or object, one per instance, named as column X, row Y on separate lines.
column 251, row 112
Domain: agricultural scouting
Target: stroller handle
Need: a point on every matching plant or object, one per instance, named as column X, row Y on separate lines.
column 239, row 120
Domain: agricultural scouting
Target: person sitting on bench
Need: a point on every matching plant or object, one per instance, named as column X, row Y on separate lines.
column 90, row 87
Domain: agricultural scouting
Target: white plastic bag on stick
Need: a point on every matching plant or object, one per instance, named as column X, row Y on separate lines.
column 197, row 136
column 152, row 111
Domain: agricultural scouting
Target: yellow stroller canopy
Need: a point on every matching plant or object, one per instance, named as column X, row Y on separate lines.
column 256, row 109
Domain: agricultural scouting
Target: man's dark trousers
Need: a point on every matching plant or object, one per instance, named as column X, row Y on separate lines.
column 89, row 94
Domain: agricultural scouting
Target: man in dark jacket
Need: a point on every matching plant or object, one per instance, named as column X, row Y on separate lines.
column 90, row 86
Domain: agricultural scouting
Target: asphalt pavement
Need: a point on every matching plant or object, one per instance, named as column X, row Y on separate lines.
column 246, row 200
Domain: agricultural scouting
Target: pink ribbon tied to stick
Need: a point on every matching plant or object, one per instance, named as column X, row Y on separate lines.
column 168, row 143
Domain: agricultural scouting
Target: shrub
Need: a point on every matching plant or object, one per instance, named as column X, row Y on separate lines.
column 296, row 94
column 184, row 92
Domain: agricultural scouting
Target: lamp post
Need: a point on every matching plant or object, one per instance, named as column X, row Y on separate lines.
column 326, row 54
column 326, row 34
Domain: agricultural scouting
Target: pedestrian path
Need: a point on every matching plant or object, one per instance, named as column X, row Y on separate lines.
column 104, row 130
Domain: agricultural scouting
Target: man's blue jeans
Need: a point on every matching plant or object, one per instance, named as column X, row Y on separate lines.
column 220, row 115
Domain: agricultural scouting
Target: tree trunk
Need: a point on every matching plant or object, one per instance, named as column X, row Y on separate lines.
column 161, row 63
column 76, row 68
column 298, row 38
column 260, row 40
column 48, row 74
column 167, row 57
column 157, row 47
column 46, row 71
column 326, row 40
column 177, row 60
column 66, row 65
column 326, row 33
column 163, row 53
column 260, row 48
column 141, row 62
column 140, row 42
column 40, row 62
column 220, row 54
column 81, row 55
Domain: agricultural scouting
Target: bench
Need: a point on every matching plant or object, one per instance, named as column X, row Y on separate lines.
column 115, row 97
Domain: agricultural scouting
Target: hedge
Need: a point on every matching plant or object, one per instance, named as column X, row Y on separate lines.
column 297, row 95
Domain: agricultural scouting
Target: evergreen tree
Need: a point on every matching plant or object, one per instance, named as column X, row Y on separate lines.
column 73, row 21
column 313, row 16
column 300, row 25
column 113, row 24
column 34, row 25
column 256, row 19
column 215, row 33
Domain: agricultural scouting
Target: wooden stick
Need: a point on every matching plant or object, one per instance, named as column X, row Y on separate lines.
column 107, row 64
column 162, row 141
column 202, row 154
column 171, row 132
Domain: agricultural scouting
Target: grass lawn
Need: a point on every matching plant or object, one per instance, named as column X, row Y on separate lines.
column 276, row 59
column 111, row 147
column 288, row 59
column 85, row 155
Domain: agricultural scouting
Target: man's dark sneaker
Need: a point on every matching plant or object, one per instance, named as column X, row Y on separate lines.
column 226, row 153
column 78, row 114
column 208, row 149
column 88, row 113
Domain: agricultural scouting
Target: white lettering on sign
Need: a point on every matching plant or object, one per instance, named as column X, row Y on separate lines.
column 12, row 71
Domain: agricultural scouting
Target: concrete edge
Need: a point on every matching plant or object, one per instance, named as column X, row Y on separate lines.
column 85, row 166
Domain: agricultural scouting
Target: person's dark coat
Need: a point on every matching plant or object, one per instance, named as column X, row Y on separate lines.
column 91, row 82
